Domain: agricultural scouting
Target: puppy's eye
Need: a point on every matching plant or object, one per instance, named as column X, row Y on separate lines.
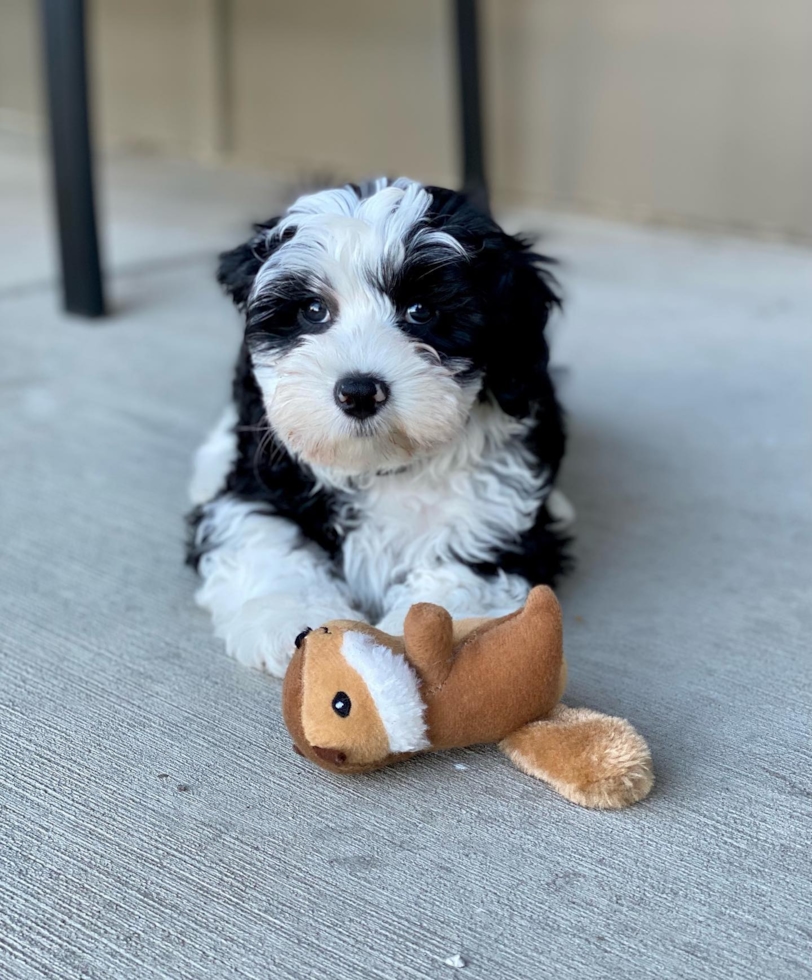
column 419, row 314
column 342, row 704
column 300, row 638
column 314, row 311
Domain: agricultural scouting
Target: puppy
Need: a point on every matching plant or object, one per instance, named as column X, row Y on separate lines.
column 394, row 435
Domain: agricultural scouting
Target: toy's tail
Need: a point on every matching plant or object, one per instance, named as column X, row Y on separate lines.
column 591, row 759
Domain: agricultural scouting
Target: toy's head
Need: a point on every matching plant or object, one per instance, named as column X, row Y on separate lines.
column 351, row 700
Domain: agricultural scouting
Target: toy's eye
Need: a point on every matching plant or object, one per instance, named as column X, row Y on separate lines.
column 300, row 638
column 342, row 704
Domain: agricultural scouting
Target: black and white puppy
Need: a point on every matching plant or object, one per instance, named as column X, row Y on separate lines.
column 394, row 435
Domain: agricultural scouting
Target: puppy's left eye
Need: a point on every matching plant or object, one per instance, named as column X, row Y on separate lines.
column 419, row 314
column 342, row 704
column 300, row 638
column 314, row 311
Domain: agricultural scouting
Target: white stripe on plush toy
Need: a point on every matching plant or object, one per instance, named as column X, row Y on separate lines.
column 394, row 688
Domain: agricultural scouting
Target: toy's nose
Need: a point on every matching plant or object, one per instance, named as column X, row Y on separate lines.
column 361, row 396
column 334, row 756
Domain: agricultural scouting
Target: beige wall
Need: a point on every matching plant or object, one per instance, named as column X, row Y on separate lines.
column 150, row 71
column 19, row 52
column 698, row 111
column 354, row 87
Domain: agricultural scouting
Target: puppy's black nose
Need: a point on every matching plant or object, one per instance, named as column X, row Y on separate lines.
column 361, row 395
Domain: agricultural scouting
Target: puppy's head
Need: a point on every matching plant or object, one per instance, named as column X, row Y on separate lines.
column 376, row 318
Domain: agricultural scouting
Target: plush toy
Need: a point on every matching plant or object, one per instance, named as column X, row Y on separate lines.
column 355, row 699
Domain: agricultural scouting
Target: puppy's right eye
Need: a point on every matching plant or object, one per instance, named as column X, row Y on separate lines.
column 314, row 311
column 300, row 638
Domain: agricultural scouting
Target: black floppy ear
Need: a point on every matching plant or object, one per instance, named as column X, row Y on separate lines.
column 519, row 293
column 517, row 357
column 239, row 267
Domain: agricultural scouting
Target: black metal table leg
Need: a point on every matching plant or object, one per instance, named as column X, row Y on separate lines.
column 63, row 29
column 473, row 149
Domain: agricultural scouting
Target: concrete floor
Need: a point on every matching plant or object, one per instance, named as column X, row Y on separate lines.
column 154, row 822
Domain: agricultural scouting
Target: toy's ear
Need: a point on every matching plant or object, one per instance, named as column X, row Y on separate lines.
column 428, row 634
column 238, row 267
column 517, row 355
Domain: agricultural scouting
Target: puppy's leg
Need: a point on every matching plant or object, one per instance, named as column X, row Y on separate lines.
column 591, row 759
column 262, row 583
column 457, row 588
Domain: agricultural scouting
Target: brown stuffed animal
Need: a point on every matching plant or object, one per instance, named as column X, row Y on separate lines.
column 355, row 699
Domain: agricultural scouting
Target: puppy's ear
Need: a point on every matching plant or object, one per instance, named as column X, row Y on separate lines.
column 519, row 292
column 517, row 355
column 239, row 267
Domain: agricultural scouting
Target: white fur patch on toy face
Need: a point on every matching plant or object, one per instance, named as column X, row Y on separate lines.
column 393, row 686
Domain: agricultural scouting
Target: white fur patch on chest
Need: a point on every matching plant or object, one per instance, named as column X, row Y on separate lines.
column 465, row 504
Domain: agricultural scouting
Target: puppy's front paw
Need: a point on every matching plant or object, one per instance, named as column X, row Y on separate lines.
column 392, row 622
column 263, row 632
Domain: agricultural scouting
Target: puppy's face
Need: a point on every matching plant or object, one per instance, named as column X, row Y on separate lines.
column 367, row 323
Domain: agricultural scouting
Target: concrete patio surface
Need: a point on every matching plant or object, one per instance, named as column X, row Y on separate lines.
column 154, row 822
